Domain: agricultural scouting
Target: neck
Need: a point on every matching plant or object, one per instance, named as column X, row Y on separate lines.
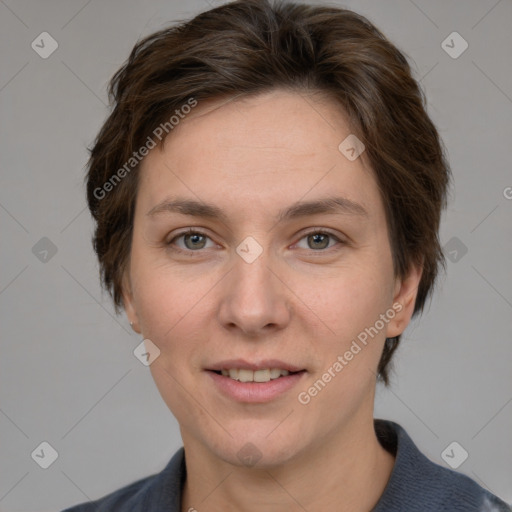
column 347, row 472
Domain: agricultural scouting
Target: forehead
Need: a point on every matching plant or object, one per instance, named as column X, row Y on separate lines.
column 278, row 145
column 276, row 121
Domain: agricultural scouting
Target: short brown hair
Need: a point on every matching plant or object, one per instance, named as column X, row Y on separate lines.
column 252, row 46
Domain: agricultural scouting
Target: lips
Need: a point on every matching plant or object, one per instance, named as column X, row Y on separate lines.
column 256, row 381
column 252, row 391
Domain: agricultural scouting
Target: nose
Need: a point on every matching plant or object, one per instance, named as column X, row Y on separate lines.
column 255, row 301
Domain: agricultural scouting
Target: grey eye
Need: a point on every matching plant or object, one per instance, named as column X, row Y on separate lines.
column 318, row 240
column 194, row 241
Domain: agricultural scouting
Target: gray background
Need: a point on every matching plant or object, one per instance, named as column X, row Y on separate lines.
column 68, row 374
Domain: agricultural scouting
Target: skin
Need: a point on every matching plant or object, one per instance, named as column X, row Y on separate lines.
column 302, row 301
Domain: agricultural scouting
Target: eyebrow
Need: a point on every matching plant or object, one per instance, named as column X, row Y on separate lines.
column 340, row 205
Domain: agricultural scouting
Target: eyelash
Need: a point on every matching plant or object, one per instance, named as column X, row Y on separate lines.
column 191, row 231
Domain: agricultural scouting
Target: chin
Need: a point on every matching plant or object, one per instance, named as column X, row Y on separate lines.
column 258, row 451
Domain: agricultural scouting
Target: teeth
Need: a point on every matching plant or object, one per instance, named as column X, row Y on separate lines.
column 275, row 373
column 244, row 375
column 262, row 376
column 265, row 375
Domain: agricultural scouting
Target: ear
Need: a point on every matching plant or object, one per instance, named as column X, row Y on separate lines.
column 404, row 299
column 129, row 304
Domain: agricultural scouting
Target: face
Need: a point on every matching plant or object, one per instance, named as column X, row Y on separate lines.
column 258, row 245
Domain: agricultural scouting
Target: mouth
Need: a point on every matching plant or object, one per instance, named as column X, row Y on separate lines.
column 263, row 375
column 254, row 383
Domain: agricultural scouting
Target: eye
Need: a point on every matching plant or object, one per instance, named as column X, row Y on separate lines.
column 193, row 240
column 318, row 240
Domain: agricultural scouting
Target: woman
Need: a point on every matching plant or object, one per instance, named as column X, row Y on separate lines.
column 267, row 195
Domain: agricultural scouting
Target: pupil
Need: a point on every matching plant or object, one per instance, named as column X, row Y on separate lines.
column 194, row 239
column 319, row 237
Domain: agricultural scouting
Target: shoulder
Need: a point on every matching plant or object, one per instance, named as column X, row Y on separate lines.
column 125, row 498
column 417, row 483
column 155, row 493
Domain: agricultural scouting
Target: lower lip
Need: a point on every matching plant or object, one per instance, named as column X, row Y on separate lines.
column 255, row 392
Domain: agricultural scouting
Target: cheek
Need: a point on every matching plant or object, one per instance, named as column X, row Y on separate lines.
column 162, row 295
column 172, row 315
column 174, row 312
column 349, row 301
column 352, row 347
column 351, row 306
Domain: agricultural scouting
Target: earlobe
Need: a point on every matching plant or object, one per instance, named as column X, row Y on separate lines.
column 134, row 324
column 133, row 319
column 404, row 300
column 129, row 306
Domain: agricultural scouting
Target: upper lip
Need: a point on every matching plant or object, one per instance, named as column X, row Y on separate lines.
column 242, row 364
